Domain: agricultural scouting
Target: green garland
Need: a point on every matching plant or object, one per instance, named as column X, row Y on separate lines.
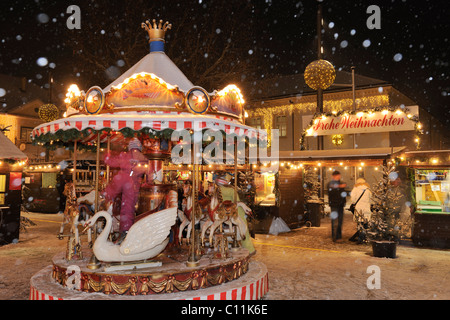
column 65, row 138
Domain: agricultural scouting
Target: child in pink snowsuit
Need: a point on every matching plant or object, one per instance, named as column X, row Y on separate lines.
column 126, row 181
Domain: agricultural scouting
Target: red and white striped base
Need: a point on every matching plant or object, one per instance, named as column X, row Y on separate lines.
column 251, row 286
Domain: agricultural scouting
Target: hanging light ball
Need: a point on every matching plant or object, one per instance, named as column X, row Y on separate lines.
column 48, row 112
column 319, row 74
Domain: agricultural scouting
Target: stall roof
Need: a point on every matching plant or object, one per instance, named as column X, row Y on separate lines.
column 8, row 150
column 338, row 154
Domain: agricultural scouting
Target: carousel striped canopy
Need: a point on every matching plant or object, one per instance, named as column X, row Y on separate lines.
column 84, row 128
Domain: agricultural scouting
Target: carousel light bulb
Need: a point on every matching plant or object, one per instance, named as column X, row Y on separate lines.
column 359, row 114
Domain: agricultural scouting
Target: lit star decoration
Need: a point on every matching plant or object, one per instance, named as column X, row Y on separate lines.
column 320, row 74
column 337, row 139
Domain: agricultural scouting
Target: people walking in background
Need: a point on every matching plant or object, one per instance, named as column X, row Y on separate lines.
column 336, row 199
column 360, row 199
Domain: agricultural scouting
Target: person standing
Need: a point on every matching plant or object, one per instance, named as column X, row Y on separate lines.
column 360, row 196
column 336, row 199
column 126, row 182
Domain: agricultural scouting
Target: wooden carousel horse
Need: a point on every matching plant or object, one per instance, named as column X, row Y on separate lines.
column 185, row 215
column 71, row 216
column 220, row 211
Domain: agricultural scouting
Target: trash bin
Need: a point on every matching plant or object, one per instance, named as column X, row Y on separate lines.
column 314, row 213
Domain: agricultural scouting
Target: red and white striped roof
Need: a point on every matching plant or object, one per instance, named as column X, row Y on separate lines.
column 137, row 120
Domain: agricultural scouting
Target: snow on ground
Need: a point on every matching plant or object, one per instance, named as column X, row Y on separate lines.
column 302, row 264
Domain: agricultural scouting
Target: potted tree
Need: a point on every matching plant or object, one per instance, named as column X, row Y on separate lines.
column 314, row 204
column 385, row 227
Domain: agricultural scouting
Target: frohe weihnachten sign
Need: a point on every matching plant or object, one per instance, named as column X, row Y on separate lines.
column 361, row 122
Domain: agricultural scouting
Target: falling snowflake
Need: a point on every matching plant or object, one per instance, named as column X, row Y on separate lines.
column 344, row 44
column 42, row 61
column 398, row 57
column 42, row 18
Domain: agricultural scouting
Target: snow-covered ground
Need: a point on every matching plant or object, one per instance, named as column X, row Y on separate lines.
column 302, row 264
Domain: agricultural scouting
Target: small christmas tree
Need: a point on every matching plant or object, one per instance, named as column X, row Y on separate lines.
column 385, row 223
column 311, row 185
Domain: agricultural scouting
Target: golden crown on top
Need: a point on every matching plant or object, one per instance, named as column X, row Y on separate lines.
column 156, row 32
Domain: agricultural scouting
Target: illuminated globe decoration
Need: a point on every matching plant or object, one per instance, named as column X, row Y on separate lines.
column 48, row 112
column 197, row 100
column 320, row 74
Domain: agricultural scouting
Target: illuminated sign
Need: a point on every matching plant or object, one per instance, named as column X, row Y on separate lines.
column 362, row 122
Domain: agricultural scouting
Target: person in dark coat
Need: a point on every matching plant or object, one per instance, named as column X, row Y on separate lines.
column 336, row 199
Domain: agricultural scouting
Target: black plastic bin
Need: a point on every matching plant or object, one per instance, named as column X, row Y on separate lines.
column 314, row 213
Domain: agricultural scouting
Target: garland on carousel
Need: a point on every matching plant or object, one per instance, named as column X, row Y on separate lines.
column 65, row 138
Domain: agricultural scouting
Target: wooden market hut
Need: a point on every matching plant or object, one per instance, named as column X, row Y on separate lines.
column 11, row 164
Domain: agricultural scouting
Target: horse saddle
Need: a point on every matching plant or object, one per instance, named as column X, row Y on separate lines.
column 229, row 208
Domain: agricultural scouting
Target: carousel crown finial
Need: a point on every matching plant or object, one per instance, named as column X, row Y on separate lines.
column 156, row 33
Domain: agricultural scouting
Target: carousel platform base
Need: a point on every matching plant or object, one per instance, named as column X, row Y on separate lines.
column 231, row 278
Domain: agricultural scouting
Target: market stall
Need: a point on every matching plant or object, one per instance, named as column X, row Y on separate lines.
column 12, row 161
column 298, row 170
column 430, row 179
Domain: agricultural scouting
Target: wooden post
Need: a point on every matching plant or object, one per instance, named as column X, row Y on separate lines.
column 108, row 149
column 192, row 260
column 74, row 172
column 97, row 171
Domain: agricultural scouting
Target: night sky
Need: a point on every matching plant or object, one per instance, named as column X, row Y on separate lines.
column 411, row 50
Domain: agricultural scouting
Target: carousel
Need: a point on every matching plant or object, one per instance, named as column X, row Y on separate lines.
column 142, row 233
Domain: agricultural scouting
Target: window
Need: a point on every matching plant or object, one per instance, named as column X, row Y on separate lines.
column 255, row 122
column 281, row 125
column 49, row 180
column 265, row 184
column 2, row 188
column 25, row 134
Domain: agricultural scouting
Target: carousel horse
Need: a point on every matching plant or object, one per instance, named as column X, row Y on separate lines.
column 220, row 211
column 71, row 213
column 79, row 210
column 185, row 215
